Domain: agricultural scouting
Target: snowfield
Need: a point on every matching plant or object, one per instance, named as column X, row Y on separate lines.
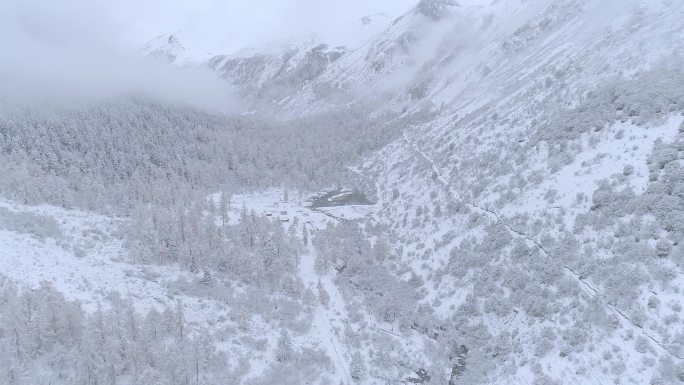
column 83, row 257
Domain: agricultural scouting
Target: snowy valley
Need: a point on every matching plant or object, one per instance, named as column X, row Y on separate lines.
column 474, row 192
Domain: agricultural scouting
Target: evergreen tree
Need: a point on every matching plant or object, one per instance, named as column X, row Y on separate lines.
column 224, row 208
column 194, row 267
column 305, row 235
column 323, row 295
column 357, row 368
column 284, row 350
column 206, row 279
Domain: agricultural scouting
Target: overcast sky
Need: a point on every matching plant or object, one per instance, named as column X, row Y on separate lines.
column 235, row 23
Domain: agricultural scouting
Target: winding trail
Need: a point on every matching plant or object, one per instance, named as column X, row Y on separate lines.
column 323, row 316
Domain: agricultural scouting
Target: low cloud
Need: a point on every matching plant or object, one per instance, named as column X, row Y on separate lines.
column 223, row 26
column 68, row 51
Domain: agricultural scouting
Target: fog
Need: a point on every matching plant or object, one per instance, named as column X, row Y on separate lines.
column 87, row 49
column 227, row 25
column 68, row 51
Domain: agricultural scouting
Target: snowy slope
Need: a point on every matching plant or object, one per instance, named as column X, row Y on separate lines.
column 527, row 116
column 542, row 114
column 82, row 255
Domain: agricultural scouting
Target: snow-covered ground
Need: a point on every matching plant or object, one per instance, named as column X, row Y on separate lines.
column 496, row 220
column 328, row 320
column 82, row 255
column 621, row 146
column 286, row 207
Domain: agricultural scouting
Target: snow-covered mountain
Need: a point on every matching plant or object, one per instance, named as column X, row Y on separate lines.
column 505, row 204
column 176, row 48
column 521, row 198
column 537, row 129
column 269, row 72
column 276, row 75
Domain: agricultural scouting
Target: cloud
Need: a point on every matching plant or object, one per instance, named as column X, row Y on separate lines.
column 86, row 49
column 232, row 24
column 70, row 50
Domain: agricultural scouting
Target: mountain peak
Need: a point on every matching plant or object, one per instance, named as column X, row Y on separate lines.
column 177, row 48
column 168, row 47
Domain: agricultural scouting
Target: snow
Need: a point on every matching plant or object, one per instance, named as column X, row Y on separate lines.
column 87, row 262
column 325, row 319
column 272, row 202
column 328, row 321
column 178, row 47
column 523, row 47
column 601, row 161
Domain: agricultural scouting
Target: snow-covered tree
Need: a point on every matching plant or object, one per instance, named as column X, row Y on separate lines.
column 284, row 348
column 357, row 367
